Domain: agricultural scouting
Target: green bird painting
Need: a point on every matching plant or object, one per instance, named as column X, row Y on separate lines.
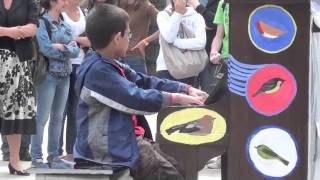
column 266, row 153
column 269, row 87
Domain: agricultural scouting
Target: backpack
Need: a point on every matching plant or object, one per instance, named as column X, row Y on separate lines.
column 41, row 62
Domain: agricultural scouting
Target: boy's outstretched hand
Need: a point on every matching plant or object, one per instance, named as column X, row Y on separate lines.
column 184, row 99
column 198, row 93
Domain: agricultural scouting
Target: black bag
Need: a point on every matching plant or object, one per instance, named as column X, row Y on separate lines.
column 218, row 82
column 41, row 63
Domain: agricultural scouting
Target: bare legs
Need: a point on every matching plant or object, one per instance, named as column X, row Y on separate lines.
column 14, row 142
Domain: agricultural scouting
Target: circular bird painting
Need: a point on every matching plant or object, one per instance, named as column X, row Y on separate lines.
column 193, row 126
column 271, row 29
column 272, row 151
column 271, row 89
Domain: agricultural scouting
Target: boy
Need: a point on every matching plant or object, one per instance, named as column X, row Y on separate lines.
column 110, row 94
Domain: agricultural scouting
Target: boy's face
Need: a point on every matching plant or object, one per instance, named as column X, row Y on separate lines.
column 124, row 43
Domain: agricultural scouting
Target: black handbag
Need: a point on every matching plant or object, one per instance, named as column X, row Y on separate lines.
column 218, row 82
column 41, row 63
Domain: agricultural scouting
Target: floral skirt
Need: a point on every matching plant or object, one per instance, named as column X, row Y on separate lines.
column 17, row 100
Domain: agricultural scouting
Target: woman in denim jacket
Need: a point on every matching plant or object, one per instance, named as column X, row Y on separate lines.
column 52, row 92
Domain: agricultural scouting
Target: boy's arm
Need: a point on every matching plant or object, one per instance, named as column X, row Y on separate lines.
column 110, row 88
column 117, row 92
column 151, row 82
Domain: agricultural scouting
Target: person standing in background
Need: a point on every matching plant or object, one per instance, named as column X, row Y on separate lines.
column 74, row 16
column 221, row 38
column 142, row 13
column 52, row 93
column 18, row 24
column 169, row 21
column 208, row 10
column 314, row 125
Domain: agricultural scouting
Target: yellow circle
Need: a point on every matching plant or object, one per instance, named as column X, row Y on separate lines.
column 190, row 114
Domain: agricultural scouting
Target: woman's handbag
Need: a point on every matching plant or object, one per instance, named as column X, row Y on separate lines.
column 41, row 63
column 183, row 63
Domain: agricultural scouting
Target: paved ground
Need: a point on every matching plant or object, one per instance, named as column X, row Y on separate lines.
column 205, row 174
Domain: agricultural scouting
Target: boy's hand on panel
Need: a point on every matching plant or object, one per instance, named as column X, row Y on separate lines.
column 184, row 99
column 198, row 93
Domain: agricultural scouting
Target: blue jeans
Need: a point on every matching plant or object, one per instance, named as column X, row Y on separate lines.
column 166, row 75
column 136, row 63
column 51, row 98
column 70, row 113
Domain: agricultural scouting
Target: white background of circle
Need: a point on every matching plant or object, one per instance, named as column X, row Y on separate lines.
column 280, row 142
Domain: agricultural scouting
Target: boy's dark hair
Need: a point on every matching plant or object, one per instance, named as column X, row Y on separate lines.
column 46, row 4
column 103, row 22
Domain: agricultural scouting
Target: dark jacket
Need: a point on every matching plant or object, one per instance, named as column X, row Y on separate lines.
column 208, row 12
column 105, row 130
column 21, row 12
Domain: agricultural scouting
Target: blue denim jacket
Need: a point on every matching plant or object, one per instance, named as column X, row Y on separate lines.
column 59, row 61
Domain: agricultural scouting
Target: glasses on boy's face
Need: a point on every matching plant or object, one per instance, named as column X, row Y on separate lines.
column 129, row 34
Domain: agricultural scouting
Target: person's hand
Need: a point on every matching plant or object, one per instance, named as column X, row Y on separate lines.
column 198, row 93
column 184, row 99
column 140, row 46
column 215, row 57
column 16, row 33
column 83, row 41
column 58, row 46
column 180, row 6
column 193, row 3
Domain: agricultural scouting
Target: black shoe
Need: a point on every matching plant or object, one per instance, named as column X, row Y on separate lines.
column 25, row 156
column 19, row 173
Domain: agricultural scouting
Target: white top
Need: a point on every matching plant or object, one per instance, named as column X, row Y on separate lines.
column 169, row 27
column 315, row 10
column 78, row 27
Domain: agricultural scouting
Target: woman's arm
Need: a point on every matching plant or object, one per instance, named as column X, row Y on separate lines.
column 198, row 41
column 216, row 44
column 169, row 25
column 145, row 42
column 12, row 32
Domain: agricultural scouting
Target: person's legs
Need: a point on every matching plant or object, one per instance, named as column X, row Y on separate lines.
column 45, row 95
column 24, row 148
column 121, row 175
column 71, row 112
column 152, row 165
column 14, row 142
column 55, row 124
column 5, row 149
column 69, row 117
column 136, row 63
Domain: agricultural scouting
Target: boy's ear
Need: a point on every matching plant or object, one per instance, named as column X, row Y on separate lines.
column 117, row 38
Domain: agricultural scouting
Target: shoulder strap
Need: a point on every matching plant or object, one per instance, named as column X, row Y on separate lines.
column 47, row 25
column 84, row 12
column 61, row 17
